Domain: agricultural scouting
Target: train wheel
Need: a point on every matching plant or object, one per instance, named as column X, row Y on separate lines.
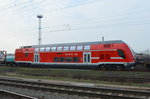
column 132, row 67
column 118, row 68
column 101, row 67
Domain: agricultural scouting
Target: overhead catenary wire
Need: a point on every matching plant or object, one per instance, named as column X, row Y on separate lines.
column 73, row 6
column 96, row 21
column 104, row 17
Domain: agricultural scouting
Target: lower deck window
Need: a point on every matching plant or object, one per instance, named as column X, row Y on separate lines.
column 75, row 59
column 68, row 59
column 62, row 59
column 56, row 59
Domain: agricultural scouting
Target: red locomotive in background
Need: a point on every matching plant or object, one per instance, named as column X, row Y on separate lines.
column 104, row 54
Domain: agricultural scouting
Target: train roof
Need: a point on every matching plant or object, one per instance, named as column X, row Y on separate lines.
column 79, row 43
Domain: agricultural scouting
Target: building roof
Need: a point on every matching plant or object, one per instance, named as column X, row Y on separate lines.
column 79, row 43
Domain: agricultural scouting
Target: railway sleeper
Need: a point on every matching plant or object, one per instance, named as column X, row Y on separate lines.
column 91, row 92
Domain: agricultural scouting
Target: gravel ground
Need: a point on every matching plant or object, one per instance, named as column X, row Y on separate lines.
column 40, row 94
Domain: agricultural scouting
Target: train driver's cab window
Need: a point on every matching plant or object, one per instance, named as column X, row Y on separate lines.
column 72, row 48
column 87, row 47
column 47, row 49
column 79, row 47
column 121, row 53
column 36, row 49
column 53, row 49
column 42, row 49
column 59, row 48
column 66, row 48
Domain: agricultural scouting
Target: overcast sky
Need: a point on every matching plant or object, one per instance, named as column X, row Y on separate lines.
column 66, row 21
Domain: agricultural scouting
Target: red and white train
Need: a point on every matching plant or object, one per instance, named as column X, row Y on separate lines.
column 104, row 54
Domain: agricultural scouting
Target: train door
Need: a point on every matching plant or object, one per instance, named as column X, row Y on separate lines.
column 36, row 57
column 87, row 57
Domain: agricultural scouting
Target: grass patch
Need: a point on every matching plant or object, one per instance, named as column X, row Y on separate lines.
column 70, row 75
column 77, row 80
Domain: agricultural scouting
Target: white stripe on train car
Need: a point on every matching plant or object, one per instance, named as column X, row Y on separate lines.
column 116, row 58
column 94, row 57
column 77, row 64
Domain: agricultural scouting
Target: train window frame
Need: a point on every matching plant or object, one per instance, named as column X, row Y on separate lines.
column 36, row 49
column 87, row 47
column 53, row 48
column 76, row 59
column 121, row 53
column 59, row 48
column 72, row 48
column 62, row 59
column 47, row 49
column 42, row 49
column 80, row 47
column 56, row 59
column 66, row 48
column 69, row 59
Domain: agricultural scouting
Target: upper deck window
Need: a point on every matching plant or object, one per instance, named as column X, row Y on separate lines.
column 59, row 48
column 36, row 49
column 66, row 48
column 42, row 49
column 53, row 49
column 87, row 47
column 72, row 48
column 47, row 49
column 79, row 47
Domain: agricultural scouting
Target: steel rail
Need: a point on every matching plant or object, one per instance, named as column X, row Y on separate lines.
column 80, row 90
column 7, row 94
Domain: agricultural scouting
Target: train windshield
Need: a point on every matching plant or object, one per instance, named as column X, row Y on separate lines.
column 121, row 53
column 133, row 53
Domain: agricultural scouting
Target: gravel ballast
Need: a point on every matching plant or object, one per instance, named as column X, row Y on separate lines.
column 42, row 94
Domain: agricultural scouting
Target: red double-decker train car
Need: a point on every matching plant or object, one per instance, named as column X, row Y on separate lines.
column 105, row 54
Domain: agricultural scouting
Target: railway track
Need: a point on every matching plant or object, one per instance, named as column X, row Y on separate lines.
column 11, row 95
column 90, row 91
column 137, row 69
column 115, row 79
